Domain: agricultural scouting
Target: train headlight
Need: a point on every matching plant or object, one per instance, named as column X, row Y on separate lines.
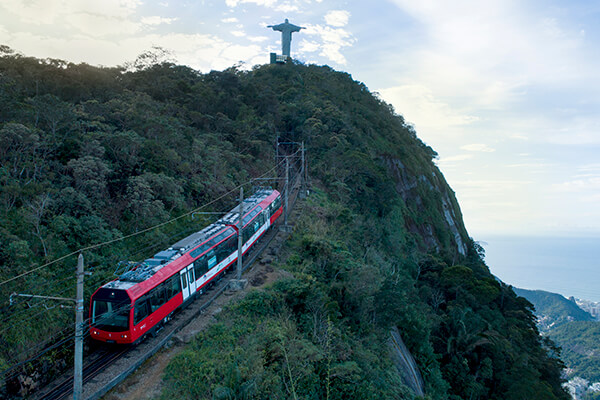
column 95, row 332
column 124, row 336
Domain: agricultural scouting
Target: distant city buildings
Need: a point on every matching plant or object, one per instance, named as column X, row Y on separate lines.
column 580, row 388
column 593, row 307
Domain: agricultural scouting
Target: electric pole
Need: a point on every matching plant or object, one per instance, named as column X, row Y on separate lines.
column 78, row 300
column 302, row 180
column 241, row 210
column 287, row 184
column 78, row 374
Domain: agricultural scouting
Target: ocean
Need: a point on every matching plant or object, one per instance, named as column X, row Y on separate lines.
column 568, row 265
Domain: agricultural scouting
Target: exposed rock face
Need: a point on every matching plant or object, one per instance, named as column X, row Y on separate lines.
column 405, row 363
column 413, row 188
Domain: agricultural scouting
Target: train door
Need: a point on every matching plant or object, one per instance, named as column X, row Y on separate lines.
column 185, row 289
column 191, row 279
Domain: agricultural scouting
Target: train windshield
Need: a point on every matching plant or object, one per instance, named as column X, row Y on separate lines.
column 110, row 310
column 110, row 315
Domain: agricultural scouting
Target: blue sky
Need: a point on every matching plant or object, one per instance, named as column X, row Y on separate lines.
column 507, row 92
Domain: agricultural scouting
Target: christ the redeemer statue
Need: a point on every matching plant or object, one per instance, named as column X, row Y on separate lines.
column 286, row 30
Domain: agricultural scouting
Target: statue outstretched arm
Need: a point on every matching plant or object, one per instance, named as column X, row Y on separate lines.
column 295, row 28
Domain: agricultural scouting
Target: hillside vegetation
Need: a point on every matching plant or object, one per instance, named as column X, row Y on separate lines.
column 94, row 154
column 580, row 341
column 573, row 329
column 553, row 309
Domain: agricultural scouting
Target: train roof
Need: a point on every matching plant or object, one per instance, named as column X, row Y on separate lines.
column 154, row 267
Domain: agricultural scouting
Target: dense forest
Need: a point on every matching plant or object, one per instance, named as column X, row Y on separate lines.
column 580, row 341
column 97, row 155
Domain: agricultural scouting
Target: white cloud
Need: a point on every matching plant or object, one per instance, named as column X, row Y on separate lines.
column 229, row 20
column 337, row 18
column 530, row 166
column 156, row 20
column 593, row 167
column 332, row 41
column 579, row 185
column 98, row 25
column 482, row 188
column 238, row 33
column 308, row 46
column 519, row 137
column 257, row 39
column 41, row 12
column 459, row 157
column 286, row 8
column 478, row 147
column 419, row 105
column 265, row 3
column 199, row 51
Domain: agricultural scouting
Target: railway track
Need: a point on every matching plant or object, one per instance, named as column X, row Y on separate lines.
column 100, row 360
column 132, row 357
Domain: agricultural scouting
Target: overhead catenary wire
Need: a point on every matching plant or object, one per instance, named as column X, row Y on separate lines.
column 151, row 228
column 61, row 337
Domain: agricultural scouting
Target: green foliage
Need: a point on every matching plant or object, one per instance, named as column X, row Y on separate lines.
column 580, row 343
column 90, row 155
column 265, row 348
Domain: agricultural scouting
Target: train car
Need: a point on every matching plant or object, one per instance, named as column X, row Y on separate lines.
column 145, row 297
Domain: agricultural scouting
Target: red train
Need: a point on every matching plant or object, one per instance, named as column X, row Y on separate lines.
column 142, row 299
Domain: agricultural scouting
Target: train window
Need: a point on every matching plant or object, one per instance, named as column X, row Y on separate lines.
column 277, row 203
column 191, row 276
column 173, row 286
column 232, row 243
column 201, row 249
column 141, row 310
column 184, row 281
column 200, row 267
column 157, row 298
column 221, row 237
column 247, row 233
column 224, row 250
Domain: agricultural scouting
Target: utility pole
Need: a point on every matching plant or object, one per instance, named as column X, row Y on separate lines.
column 241, row 210
column 303, row 184
column 78, row 300
column 287, row 184
column 78, row 374
column 304, row 167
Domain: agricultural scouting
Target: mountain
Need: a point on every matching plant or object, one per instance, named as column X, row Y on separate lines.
column 94, row 155
column 552, row 309
column 574, row 330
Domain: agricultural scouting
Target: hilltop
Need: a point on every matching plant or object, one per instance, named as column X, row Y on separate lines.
column 93, row 154
column 553, row 309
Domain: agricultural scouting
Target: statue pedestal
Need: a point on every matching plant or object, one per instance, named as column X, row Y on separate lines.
column 278, row 59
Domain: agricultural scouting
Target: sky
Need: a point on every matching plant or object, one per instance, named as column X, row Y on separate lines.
column 507, row 92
